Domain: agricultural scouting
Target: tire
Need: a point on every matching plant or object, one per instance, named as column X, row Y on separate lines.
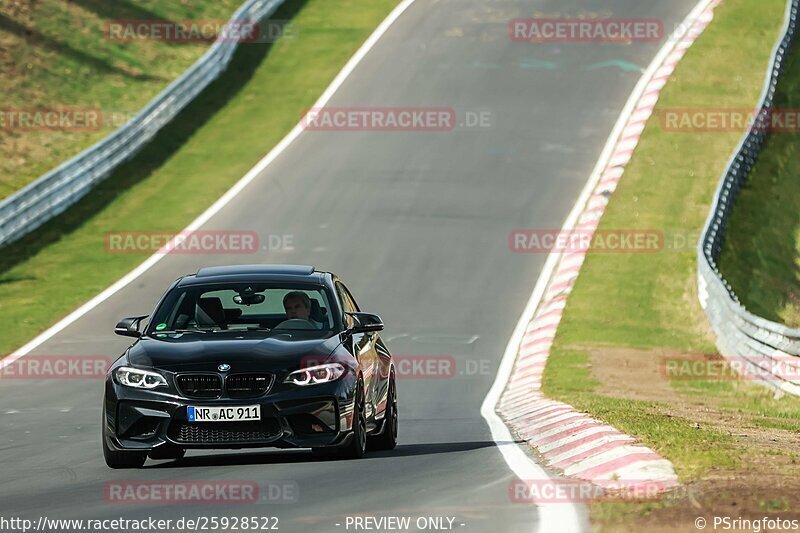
column 387, row 440
column 357, row 446
column 115, row 459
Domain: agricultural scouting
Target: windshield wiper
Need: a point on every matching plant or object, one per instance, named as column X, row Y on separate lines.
column 254, row 328
column 172, row 331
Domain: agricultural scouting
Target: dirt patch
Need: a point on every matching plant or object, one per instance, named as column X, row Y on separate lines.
column 750, row 495
column 635, row 374
column 767, row 484
column 641, row 375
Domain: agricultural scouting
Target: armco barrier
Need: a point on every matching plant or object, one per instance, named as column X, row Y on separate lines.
column 57, row 190
column 760, row 346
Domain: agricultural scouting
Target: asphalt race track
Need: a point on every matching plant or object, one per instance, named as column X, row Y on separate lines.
column 416, row 223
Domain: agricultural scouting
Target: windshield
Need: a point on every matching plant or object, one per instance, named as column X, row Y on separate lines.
column 243, row 307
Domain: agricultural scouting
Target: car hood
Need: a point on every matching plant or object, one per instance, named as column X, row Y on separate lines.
column 243, row 351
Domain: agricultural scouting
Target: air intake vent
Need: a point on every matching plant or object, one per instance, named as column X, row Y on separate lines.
column 248, row 385
column 201, row 386
column 225, row 433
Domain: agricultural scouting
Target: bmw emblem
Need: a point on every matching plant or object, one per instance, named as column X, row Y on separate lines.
column 224, row 367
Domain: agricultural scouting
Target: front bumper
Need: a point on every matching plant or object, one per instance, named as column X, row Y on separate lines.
column 300, row 417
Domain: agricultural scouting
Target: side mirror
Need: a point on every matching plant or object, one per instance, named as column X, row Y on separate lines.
column 366, row 322
column 129, row 327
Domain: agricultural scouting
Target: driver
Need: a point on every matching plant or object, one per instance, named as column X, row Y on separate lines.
column 297, row 305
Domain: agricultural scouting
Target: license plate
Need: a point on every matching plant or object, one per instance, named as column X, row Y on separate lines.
column 224, row 414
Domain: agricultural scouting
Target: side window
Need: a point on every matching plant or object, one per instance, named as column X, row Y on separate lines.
column 341, row 292
column 348, row 306
column 350, row 299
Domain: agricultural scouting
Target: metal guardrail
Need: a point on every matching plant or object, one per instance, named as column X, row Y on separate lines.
column 60, row 188
column 766, row 350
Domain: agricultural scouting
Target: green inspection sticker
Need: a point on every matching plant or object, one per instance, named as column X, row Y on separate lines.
column 161, row 326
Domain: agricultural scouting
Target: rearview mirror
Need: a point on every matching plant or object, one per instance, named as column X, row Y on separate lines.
column 366, row 322
column 249, row 299
column 129, row 327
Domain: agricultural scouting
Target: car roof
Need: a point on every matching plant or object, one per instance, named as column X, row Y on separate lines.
column 296, row 273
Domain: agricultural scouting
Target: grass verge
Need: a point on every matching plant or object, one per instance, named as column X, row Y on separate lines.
column 629, row 313
column 55, row 55
column 761, row 254
column 242, row 115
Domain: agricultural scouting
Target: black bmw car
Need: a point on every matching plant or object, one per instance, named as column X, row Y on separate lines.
column 250, row 357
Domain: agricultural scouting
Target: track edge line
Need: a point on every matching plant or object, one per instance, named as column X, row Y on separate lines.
column 229, row 195
column 569, row 517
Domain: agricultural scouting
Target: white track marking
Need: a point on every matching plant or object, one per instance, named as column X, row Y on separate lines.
column 567, row 516
column 223, row 200
column 552, row 517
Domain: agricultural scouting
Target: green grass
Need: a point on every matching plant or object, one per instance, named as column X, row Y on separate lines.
column 242, row 115
column 668, row 186
column 649, row 301
column 55, row 55
column 568, row 377
column 761, row 253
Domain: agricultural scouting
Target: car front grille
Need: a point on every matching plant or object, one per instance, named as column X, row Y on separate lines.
column 248, row 385
column 224, row 432
column 200, row 385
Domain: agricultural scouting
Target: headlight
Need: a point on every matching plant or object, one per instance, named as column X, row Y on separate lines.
column 316, row 374
column 139, row 379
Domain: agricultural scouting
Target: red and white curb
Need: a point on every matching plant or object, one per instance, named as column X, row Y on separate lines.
column 570, row 441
